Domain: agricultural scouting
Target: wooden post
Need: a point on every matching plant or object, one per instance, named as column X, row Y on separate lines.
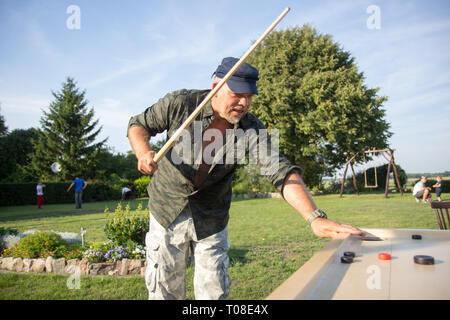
column 349, row 160
column 396, row 173
column 343, row 179
column 387, row 178
column 354, row 179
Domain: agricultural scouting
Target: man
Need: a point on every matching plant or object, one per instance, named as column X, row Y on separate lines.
column 189, row 201
column 80, row 185
column 420, row 191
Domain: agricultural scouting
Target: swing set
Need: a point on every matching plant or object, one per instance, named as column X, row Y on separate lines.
column 388, row 154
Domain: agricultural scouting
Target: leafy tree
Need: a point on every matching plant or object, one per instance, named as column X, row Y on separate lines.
column 67, row 136
column 311, row 91
column 122, row 165
column 3, row 127
column 15, row 148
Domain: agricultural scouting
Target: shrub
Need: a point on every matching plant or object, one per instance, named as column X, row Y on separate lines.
column 73, row 254
column 248, row 179
column 40, row 243
column 125, row 225
column 140, row 185
column 381, row 177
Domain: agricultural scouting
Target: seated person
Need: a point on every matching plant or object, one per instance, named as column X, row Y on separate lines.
column 420, row 191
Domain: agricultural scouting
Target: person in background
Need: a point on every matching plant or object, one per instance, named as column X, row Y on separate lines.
column 438, row 187
column 125, row 193
column 80, row 185
column 421, row 192
column 40, row 193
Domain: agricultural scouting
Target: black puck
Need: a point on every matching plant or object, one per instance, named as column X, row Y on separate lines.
column 421, row 259
column 416, row 237
column 345, row 259
column 349, row 254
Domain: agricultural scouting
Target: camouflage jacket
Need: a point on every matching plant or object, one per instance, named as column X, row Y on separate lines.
column 172, row 186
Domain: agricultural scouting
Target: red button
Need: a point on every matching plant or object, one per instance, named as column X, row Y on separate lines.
column 384, row 256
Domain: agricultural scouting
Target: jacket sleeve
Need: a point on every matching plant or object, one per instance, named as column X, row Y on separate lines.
column 155, row 119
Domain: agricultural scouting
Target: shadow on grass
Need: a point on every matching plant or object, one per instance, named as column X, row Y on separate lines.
column 238, row 256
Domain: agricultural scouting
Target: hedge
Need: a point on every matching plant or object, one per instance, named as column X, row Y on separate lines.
column 445, row 184
column 55, row 192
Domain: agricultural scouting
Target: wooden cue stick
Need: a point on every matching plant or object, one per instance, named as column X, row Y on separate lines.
column 195, row 113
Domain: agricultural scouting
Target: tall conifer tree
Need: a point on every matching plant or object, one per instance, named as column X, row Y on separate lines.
column 68, row 136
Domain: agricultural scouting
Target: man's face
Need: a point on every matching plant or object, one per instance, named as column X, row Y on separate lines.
column 231, row 106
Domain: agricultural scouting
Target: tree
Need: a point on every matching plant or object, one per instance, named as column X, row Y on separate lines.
column 67, row 136
column 117, row 165
column 15, row 148
column 3, row 127
column 311, row 91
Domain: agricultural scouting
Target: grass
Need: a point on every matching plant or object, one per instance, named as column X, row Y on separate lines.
column 269, row 241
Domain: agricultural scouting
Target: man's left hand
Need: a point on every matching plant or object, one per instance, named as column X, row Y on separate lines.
column 331, row 229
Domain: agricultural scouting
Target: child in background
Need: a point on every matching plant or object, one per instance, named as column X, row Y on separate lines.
column 40, row 194
column 438, row 187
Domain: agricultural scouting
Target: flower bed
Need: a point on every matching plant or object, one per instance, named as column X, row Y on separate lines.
column 74, row 266
column 62, row 252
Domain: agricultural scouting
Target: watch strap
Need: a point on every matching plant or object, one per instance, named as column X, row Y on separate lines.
column 316, row 214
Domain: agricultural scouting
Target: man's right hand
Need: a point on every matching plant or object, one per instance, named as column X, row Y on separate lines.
column 140, row 143
column 146, row 165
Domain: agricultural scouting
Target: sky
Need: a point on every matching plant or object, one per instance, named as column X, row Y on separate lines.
column 128, row 54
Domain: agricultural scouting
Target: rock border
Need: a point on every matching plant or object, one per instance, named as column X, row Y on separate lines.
column 82, row 267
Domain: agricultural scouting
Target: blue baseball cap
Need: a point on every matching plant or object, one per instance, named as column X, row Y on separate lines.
column 243, row 80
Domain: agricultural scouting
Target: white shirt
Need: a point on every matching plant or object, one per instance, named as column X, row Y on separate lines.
column 418, row 186
column 40, row 190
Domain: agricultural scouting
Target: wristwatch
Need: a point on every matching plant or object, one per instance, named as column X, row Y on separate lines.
column 316, row 214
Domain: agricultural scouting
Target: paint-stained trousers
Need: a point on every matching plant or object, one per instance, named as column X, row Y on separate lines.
column 168, row 251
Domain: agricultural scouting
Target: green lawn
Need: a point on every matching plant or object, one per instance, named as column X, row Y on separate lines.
column 269, row 241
